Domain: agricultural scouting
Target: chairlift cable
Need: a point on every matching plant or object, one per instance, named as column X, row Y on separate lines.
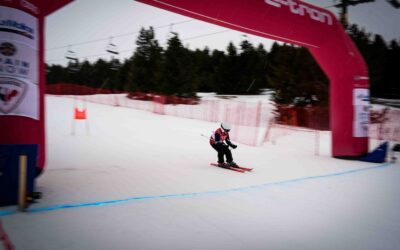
column 119, row 35
column 130, row 50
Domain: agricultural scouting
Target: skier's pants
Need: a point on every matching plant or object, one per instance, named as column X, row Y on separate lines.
column 222, row 150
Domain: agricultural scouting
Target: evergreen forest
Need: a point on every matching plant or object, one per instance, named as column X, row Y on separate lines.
column 289, row 70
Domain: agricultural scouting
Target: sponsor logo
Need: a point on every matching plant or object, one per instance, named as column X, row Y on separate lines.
column 12, row 92
column 7, row 49
column 363, row 97
column 302, row 10
column 12, row 26
column 13, row 66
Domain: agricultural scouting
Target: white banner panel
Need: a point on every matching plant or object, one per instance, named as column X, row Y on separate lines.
column 19, row 61
column 361, row 112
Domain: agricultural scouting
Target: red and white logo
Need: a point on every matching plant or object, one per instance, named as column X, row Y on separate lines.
column 301, row 9
column 12, row 92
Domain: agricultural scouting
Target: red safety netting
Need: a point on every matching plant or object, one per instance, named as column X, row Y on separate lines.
column 251, row 120
column 314, row 117
column 74, row 89
column 385, row 124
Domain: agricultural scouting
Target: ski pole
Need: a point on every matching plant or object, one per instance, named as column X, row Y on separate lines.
column 204, row 135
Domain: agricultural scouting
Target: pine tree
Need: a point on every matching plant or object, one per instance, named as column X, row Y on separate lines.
column 296, row 77
column 391, row 75
column 146, row 63
column 55, row 74
column 203, row 70
column 251, row 67
column 279, row 75
column 86, row 74
column 261, row 69
column 377, row 62
column 230, row 70
column 178, row 70
column 219, row 76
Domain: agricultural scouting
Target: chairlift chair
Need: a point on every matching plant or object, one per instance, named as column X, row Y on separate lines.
column 73, row 63
column 113, row 50
column 71, row 55
column 73, row 66
column 115, row 65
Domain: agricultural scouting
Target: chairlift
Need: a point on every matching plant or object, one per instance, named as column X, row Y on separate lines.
column 115, row 65
column 73, row 66
column 73, row 63
column 71, row 55
column 113, row 50
column 171, row 31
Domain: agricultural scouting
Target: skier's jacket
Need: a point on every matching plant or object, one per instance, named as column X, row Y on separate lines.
column 219, row 136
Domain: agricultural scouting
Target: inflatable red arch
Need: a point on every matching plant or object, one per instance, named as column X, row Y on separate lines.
column 291, row 21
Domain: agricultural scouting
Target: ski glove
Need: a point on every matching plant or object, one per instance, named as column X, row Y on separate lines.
column 234, row 146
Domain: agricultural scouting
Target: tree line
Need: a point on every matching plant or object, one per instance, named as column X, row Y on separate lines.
column 289, row 70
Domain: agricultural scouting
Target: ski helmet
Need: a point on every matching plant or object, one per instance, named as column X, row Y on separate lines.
column 226, row 126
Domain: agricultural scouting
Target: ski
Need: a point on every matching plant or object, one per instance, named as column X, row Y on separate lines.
column 243, row 168
column 230, row 168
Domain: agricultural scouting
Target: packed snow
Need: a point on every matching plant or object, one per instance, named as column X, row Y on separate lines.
column 131, row 179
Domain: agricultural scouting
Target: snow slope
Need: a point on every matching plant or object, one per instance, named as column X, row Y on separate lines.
column 143, row 181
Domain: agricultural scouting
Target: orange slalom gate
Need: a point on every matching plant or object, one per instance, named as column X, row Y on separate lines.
column 79, row 114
